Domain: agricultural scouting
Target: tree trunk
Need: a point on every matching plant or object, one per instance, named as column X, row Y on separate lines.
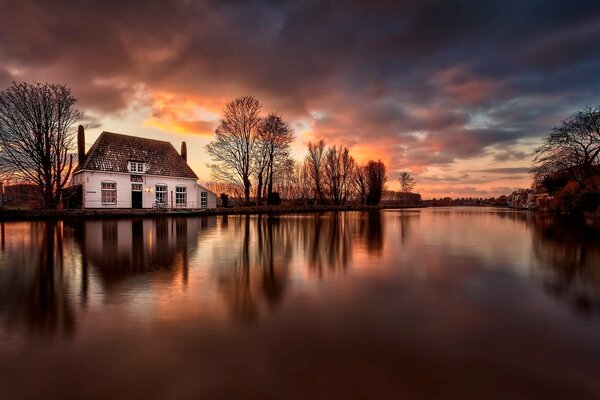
column 259, row 189
column 270, row 181
column 247, row 190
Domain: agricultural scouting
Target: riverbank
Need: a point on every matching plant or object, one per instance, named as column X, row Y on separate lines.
column 20, row 215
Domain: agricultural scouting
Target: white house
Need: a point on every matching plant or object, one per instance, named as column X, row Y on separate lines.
column 121, row 171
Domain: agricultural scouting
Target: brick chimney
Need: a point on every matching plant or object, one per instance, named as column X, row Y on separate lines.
column 80, row 145
column 184, row 151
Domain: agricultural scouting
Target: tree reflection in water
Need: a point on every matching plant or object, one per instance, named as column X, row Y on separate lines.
column 570, row 251
column 567, row 249
column 35, row 297
column 255, row 266
column 260, row 265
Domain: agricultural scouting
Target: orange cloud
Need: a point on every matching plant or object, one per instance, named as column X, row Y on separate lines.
column 183, row 114
column 462, row 86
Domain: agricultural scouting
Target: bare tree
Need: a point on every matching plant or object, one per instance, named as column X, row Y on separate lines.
column 260, row 161
column 36, row 136
column 273, row 152
column 361, row 181
column 370, row 180
column 315, row 161
column 573, row 148
column 377, row 179
column 278, row 136
column 232, row 148
column 293, row 181
column 407, row 182
column 339, row 174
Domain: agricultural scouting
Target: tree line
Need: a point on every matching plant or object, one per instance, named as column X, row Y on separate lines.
column 567, row 164
column 251, row 159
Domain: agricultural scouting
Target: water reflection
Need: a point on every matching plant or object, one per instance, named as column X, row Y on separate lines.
column 48, row 268
column 35, row 297
column 252, row 269
column 255, row 266
column 569, row 251
column 121, row 249
column 373, row 299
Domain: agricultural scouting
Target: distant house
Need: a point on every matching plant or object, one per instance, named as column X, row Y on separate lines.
column 121, row 171
column 22, row 195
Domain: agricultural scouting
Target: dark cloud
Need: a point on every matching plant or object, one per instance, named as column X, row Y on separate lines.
column 516, row 170
column 430, row 81
column 466, row 178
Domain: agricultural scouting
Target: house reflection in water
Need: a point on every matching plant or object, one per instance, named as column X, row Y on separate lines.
column 119, row 249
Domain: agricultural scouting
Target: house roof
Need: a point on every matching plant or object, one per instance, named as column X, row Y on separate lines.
column 112, row 151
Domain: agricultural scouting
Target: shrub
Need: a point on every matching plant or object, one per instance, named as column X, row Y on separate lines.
column 224, row 200
column 274, row 199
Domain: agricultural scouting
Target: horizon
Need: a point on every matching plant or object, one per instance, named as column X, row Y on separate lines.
column 458, row 94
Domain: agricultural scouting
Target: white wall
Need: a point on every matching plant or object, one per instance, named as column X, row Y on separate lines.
column 211, row 201
column 92, row 189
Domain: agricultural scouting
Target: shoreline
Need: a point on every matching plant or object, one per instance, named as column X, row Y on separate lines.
column 29, row 215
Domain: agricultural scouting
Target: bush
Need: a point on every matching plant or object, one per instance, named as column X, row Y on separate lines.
column 224, row 200
column 274, row 199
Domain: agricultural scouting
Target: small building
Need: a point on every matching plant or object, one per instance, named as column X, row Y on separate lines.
column 21, row 195
column 121, row 171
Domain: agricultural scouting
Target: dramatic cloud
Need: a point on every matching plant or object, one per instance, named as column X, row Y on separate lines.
column 424, row 85
column 517, row 170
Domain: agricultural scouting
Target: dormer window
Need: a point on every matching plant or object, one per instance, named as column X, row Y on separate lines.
column 137, row 166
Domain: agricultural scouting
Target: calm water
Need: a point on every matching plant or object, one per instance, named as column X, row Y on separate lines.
column 433, row 303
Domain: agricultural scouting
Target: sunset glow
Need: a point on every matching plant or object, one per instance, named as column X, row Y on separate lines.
column 457, row 95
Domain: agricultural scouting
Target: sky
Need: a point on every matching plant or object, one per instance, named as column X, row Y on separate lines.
column 459, row 93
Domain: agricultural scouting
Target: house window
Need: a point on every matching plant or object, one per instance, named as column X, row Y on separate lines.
column 180, row 195
column 161, row 194
column 136, row 166
column 109, row 193
column 203, row 199
column 136, row 187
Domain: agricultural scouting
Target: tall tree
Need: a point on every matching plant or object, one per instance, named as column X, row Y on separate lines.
column 273, row 151
column 279, row 136
column 407, row 182
column 232, row 148
column 573, row 148
column 361, row 181
column 36, row 136
column 377, row 179
column 370, row 179
column 315, row 162
column 339, row 174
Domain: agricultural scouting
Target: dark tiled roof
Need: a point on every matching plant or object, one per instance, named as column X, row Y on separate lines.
column 112, row 151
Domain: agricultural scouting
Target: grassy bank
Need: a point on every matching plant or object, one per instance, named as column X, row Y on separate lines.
column 20, row 215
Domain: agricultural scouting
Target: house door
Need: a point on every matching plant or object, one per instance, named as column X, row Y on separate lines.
column 136, row 196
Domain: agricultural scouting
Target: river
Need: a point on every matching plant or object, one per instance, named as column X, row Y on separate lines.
column 423, row 303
